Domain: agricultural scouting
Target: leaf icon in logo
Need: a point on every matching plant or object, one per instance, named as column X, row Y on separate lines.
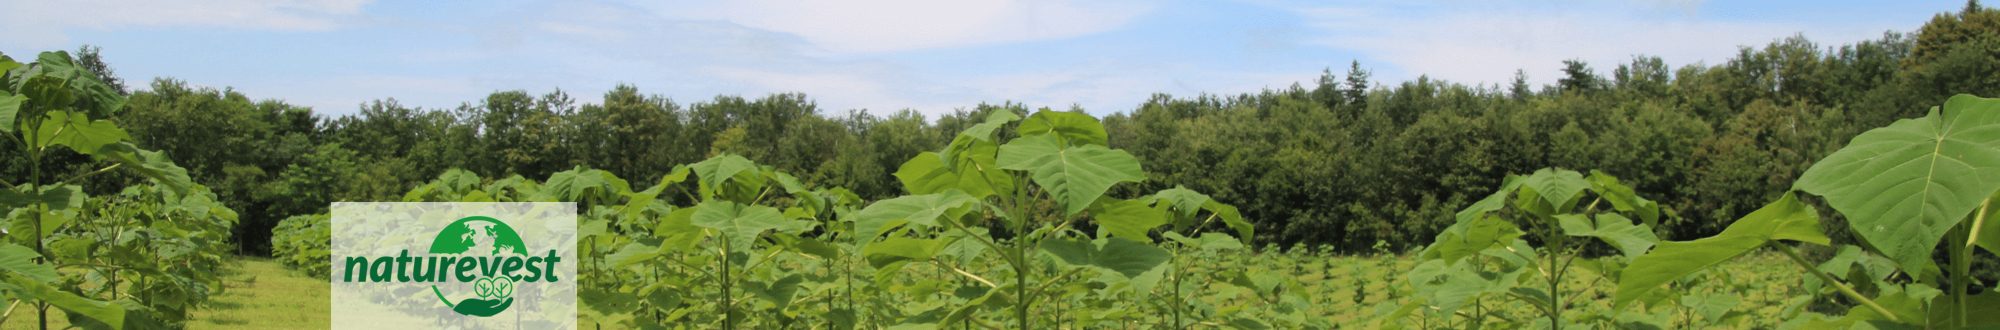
column 503, row 287
column 483, row 287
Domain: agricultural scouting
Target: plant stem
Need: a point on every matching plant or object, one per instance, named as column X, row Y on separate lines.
column 1555, row 286
column 1962, row 260
column 35, row 179
column 981, row 280
column 101, row 170
column 1178, row 298
column 1823, row 277
column 981, row 238
column 10, row 310
column 728, row 318
column 1978, row 221
column 1020, row 253
column 1961, row 268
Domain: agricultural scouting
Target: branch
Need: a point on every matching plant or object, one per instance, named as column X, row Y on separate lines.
column 1977, row 222
column 962, row 272
column 101, row 170
column 1823, row 277
column 1052, row 281
column 10, row 310
column 58, row 132
column 983, row 239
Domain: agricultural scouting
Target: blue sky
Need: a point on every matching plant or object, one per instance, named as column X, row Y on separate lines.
column 888, row 55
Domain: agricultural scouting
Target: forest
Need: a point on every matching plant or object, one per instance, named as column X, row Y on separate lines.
column 1340, row 166
column 1339, row 163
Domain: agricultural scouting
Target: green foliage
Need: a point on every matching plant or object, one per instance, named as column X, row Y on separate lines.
column 1910, row 175
column 1483, row 254
column 302, row 242
column 140, row 258
column 1905, row 185
column 1786, row 219
column 751, row 247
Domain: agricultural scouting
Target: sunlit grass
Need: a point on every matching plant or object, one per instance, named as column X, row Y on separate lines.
column 269, row 297
column 259, row 294
column 264, row 295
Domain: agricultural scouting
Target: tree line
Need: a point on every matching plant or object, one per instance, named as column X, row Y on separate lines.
column 1341, row 163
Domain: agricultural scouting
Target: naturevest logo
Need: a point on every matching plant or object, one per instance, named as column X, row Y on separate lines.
column 477, row 249
column 459, row 262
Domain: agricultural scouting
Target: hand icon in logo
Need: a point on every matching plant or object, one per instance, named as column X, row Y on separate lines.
column 500, row 290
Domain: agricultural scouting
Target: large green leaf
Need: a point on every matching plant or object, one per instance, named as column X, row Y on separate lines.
column 1714, row 307
column 1560, row 188
column 1612, row 228
column 1115, row 254
column 1185, row 201
column 1131, row 219
column 47, row 93
column 995, row 119
column 715, row 170
column 1450, row 287
column 1493, row 202
column 904, row 249
column 920, row 209
column 926, row 174
column 962, row 163
column 152, row 164
column 930, row 173
column 1623, row 198
column 1786, row 219
column 740, row 224
column 109, row 313
column 1981, row 310
column 1079, row 129
column 678, row 229
column 20, row 260
column 639, row 201
column 1468, row 238
column 580, row 183
column 97, row 99
column 10, row 109
column 1230, row 216
column 1208, row 241
column 1074, row 176
column 1986, row 232
column 7, row 63
column 57, row 197
column 79, row 132
column 459, row 180
column 1907, row 305
column 1903, row 186
column 785, row 181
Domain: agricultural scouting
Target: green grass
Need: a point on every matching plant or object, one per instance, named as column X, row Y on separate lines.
column 264, row 295
column 259, row 294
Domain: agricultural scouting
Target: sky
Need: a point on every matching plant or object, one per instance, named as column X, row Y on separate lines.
column 889, row 55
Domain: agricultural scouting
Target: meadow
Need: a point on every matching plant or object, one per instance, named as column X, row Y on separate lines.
column 262, row 294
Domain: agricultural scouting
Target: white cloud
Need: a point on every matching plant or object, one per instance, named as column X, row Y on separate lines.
column 41, row 23
column 695, row 59
column 1104, row 86
column 875, row 26
column 1487, row 46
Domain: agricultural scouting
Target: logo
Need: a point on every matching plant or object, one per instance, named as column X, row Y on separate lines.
column 480, row 250
column 467, row 265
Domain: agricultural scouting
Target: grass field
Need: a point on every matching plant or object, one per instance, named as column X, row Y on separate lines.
column 265, row 295
column 260, row 294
